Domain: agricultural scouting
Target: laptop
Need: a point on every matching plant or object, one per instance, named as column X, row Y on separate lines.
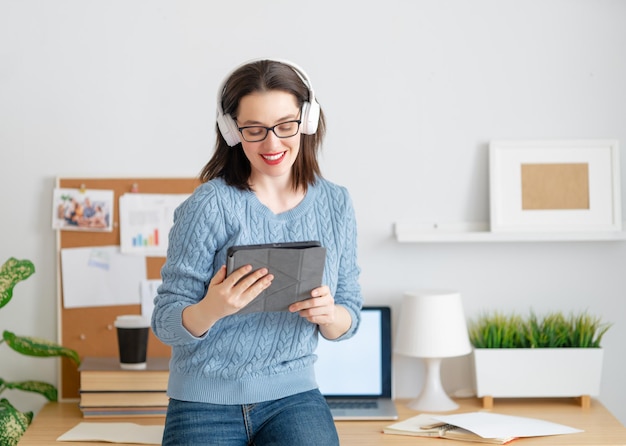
column 355, row 375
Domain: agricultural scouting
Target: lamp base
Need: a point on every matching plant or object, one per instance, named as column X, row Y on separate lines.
column 433, row 397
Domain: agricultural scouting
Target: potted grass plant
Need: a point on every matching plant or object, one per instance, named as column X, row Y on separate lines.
column 556, row 355
column 13, row 422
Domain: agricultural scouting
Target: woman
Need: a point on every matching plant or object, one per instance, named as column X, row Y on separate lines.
column 249, row 379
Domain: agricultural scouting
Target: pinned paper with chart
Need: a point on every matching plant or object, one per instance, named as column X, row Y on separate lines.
column 145, row 222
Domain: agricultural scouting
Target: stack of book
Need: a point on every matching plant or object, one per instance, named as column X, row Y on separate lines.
column 106, row 390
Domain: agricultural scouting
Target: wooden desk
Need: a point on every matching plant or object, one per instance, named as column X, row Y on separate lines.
column 600, row 426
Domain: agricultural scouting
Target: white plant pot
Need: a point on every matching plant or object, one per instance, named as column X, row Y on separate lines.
column 538, row 372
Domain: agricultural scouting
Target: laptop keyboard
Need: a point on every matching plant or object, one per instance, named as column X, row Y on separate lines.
column 352, row 404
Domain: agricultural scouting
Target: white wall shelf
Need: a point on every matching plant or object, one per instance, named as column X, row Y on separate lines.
column 411, row 232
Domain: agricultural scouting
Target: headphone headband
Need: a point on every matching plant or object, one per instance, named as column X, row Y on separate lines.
column 310, row 109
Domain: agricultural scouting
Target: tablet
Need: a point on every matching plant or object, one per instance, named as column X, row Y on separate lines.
column 297, row 267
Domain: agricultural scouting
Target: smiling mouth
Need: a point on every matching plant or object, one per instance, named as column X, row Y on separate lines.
column 273, row 156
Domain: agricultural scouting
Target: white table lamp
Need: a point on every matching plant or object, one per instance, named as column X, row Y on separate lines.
column 432, row 326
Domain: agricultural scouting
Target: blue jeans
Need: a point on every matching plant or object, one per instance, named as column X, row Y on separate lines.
column 302, row 419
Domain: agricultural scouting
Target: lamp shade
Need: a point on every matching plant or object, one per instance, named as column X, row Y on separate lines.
column 432, row 325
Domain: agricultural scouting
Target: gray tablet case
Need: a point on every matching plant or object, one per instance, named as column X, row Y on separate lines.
column 297, row 268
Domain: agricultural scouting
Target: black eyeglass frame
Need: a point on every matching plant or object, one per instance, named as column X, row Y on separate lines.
column 267, row 130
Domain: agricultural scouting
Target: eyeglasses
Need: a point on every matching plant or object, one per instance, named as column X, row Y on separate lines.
column 257, row 133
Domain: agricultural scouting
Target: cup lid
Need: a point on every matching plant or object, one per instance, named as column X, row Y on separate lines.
column 131, row 321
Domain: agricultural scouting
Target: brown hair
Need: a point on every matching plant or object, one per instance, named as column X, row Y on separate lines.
column 230, row 163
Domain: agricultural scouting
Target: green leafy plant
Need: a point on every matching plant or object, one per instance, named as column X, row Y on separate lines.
column 555, row 330
column 13, row 423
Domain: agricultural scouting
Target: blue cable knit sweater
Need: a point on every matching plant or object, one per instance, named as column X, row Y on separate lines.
column 255, row 357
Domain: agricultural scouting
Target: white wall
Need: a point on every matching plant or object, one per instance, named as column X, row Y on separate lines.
column 413, row 90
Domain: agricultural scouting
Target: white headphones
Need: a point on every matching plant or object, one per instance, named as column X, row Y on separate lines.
column 310, row 109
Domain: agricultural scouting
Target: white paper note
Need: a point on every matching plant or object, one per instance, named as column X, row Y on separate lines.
column 145, row 222
column 493, row 425
column 148, row 293
column 114, row 433
column 100, row 276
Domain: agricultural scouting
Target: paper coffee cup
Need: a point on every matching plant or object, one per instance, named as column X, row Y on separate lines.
column 132, row 340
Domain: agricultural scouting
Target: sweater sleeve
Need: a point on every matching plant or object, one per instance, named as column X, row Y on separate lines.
column 348, row 291
column 189, row 266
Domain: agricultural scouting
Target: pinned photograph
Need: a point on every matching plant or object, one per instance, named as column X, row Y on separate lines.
column 82, row 210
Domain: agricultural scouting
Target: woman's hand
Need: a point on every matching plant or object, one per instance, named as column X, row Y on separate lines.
column 333, row 320
column 225, row 296
column 319, row 309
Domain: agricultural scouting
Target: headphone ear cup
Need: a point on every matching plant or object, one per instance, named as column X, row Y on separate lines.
column 310, row 117
column 228, row 129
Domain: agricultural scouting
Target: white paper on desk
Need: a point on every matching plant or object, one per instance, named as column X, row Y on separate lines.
column 100, row 276
column 114, row 433
column 493, row 425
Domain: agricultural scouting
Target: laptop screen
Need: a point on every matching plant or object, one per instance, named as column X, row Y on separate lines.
column 359, row 366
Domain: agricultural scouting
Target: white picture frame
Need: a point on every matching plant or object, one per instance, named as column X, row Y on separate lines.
column 580, row 169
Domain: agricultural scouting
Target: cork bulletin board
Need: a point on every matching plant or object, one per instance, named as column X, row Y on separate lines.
column 89, row 330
